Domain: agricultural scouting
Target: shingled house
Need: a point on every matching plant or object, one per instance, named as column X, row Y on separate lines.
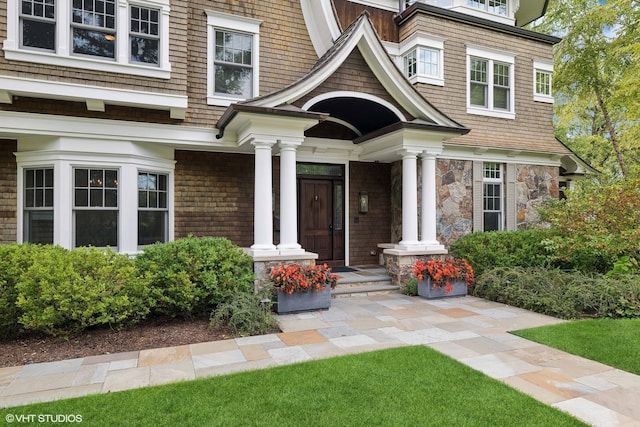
column 326, row 130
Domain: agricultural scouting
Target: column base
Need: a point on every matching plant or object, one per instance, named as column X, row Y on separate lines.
column 263, row 250
column 433, row 245
column 410, row 245
column 290, row 249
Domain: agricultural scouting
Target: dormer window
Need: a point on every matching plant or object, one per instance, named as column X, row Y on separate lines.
column 497, row 7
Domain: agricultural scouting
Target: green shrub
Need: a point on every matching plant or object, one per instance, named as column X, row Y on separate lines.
column 191, row 276
column 14, row 260
column 524, row 248
column 565, row 294
column 410, row 287
column 597, row 224
column 67, row 291
column 247, row 313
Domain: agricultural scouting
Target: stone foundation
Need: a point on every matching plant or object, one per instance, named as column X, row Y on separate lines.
column 262, row 265
column 399, row 263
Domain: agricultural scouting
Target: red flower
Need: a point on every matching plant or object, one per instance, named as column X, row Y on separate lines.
column 444, row 272
column 295, row 278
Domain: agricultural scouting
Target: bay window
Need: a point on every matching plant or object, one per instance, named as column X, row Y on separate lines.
column 95, row 207
column 153, row 208
column 38, row 205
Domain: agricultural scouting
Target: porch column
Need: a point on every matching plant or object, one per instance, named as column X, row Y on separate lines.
column 428, row 213
column 409, row 201
column 288, row 200
column 263, row 206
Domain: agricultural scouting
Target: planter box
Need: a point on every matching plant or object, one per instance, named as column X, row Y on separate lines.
column 426, row 290
column 304, row 301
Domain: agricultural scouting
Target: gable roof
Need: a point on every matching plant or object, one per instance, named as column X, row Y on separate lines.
column 362, row 36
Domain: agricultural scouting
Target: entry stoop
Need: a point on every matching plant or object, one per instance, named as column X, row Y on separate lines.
column 363, row 281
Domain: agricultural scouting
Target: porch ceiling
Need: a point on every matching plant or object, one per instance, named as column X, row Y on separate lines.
column 364, row 115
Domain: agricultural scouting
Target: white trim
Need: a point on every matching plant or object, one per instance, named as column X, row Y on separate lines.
column 65, row 154
column 322, row 25
column 359, row 95
column 545, row 67
column 423, row 40
column 243, row 24
column 92, row 95
column 390, row 5
column 364, row 38
column 63, row 56
column 492, row 56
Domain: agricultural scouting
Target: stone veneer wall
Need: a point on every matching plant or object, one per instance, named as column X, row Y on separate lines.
column 454, row 210
column 534, row 185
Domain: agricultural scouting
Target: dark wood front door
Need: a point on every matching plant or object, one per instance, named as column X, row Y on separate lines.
column 321, row 218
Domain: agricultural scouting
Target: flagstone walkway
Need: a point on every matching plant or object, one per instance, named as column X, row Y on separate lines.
column 470, row 330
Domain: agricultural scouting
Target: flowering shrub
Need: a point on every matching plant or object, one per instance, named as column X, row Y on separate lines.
column 296, row 278
column 445, row 272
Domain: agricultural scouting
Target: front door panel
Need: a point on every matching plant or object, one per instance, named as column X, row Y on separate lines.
column 316, row 214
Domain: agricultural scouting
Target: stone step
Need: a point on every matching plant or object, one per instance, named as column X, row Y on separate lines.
column 364, row 289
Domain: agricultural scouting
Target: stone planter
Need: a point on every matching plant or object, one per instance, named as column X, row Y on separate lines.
column 303, row 301
column 426, row 290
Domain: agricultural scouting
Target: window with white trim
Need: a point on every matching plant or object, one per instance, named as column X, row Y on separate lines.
column 542, row 83
column 95, row 207
column 490, row 78
column 422, row 59
column 153, row 209
column 124, row 36
column 232, row 58
column 492, row 197
column 497, row 7
column 38, row 205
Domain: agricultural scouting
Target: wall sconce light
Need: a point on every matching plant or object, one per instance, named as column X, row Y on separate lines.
column 363, row 202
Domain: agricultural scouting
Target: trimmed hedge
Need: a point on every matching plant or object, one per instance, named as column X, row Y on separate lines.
column 564, row 294
column 52, row 290
column 524, row 248
column 191, row 276
column 68, row 291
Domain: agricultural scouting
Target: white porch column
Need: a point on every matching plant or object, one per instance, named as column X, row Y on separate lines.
column 428, row 213
column 263, row 206
column 409, row 201
column 288, row 200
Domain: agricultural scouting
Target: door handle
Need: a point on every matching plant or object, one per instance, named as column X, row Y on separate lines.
column 330, row 227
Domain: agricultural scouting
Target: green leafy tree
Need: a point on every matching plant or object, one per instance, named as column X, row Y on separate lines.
column 597, row 80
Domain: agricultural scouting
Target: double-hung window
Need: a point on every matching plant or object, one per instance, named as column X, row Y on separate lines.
column 490, row 83
column 38, row 24
column 492, row 197
column 422, row 59
column 95, row 207
column 124, row 36
column 542, row 80
column 153, row 210
column 38, row 205
column 232, row 58
column 497, row 7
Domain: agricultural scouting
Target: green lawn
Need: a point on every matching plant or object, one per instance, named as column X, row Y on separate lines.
column 614, row 342
column 408, row 386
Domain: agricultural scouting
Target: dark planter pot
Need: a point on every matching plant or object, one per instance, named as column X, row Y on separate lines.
column 426, row 290
column 303, row 301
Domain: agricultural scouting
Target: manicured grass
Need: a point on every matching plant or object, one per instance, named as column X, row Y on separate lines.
column 614, row 342
column 397, row 387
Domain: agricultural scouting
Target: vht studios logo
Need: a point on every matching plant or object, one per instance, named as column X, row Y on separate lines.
column 43, row 418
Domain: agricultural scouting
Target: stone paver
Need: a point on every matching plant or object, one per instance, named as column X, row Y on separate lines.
column 468, row 329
